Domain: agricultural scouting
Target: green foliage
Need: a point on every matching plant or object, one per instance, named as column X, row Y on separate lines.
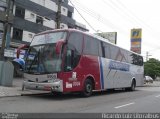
column 152, row 68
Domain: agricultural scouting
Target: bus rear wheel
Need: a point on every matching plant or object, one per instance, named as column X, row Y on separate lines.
column 88, row 88
column 133, row 86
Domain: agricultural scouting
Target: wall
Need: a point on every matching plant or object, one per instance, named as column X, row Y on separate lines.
column 30, row 16
column 27, row 36
column 48, row 12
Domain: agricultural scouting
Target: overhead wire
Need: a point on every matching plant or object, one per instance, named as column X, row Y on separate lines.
column 132, row 14
column 104, row 20
column 98, row 17
column 83, row 17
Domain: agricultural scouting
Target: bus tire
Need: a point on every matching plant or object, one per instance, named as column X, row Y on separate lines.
column 56, row 93
column 22, row 87
column 133, row 85
column 88, row 88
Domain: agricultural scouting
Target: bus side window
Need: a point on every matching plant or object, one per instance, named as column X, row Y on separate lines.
column 107, row 50
column 68, row 61
column 135, row 59
column 91, row 46
column 74, row 50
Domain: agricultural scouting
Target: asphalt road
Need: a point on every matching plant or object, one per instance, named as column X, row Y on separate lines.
column 144, row 99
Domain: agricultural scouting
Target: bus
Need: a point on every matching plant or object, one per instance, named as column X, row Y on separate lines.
column 70, row 60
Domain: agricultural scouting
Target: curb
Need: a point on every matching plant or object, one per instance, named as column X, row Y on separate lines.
column 29, row 94
column 17, row 95
column 23, row 94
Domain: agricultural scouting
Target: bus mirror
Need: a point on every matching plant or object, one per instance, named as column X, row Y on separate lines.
column 59, row 46
column 23, row 46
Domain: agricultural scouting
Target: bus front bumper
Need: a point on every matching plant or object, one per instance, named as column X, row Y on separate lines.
column 48, row 86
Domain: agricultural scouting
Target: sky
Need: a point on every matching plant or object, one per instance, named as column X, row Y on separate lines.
column 121, row 16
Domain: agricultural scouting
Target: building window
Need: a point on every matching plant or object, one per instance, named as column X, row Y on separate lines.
column 30, row 35
column 2, row 9
column 64, row 10
column 47, row 18
column 17, row 34
column 3, row 1
column 69, row 14
column 1, row 26
column 20, row 12
column 3, row 5
column 32, row 15
column 39, row 20
column 62, row 26
column 1, row 35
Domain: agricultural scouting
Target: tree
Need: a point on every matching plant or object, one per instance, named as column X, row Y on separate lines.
column 152, row 68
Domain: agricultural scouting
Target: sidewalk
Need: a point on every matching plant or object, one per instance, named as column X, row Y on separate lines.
column 16, row 89
column 154, row 84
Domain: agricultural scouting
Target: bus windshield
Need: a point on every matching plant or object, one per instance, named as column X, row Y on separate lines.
column 42, row 57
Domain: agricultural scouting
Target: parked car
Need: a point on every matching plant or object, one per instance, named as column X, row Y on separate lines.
column 148, row 79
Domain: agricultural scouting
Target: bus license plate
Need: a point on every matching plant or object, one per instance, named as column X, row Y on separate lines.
column 52, row 76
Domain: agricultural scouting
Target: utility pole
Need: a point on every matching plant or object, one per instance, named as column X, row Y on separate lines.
column 5, row 29
column 147, row 56
column 58, row 17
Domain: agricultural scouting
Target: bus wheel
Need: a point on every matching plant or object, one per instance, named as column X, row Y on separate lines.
column 133, row 86
column 88, row 88
column 23, row 87
column 56, row 93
